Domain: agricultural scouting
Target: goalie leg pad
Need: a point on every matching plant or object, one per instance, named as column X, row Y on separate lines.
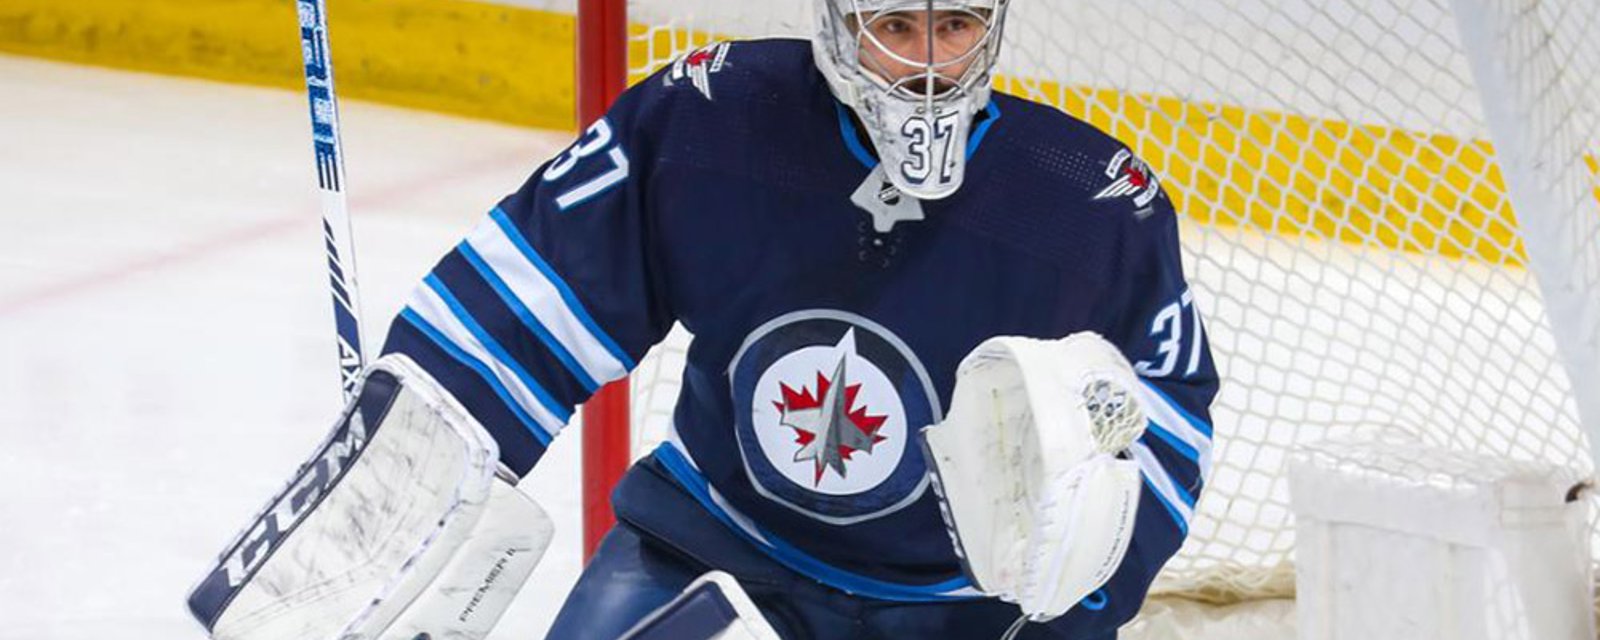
column 470, row 593
column 376, row 519
column 1037, row 501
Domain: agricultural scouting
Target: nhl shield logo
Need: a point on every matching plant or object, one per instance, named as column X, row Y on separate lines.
column 826, row 404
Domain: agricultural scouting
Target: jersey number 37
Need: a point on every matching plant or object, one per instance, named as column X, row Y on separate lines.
column 1167, row 329
column 596, row 141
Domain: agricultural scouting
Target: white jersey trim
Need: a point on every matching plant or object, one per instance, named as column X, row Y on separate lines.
column 541, row 291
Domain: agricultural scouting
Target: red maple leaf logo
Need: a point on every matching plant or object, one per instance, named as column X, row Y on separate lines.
column 805, row 400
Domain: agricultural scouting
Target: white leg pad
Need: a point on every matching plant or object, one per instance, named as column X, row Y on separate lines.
column 396, row 519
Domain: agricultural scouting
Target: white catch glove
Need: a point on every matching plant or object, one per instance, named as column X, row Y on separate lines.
column 1038, row 503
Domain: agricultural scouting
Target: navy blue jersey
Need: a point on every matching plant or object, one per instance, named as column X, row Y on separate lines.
column 730, row 192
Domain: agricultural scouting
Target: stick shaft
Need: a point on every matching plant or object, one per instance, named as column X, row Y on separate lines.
column 336, row 228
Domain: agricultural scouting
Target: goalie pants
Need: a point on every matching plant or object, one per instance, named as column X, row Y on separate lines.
column 634, row 572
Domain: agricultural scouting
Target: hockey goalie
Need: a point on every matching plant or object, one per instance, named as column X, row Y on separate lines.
column 947, row 379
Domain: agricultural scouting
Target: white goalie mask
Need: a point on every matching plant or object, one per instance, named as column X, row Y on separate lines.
column 915, row 86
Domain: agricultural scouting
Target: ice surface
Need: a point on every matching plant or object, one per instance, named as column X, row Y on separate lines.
column 166, row 342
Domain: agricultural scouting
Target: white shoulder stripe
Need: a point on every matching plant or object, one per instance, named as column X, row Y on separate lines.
column 427, row 304
column 1162, row 481
column 543, row 298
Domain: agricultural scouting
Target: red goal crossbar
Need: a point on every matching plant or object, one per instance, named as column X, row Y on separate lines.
column 602, row 74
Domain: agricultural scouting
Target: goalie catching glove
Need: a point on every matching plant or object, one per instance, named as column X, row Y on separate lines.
column 1036, row 498
column 399, row 527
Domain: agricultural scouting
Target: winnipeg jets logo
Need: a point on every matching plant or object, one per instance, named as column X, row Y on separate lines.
column 825, row 402
column 828, row 429
column 698, row 66
column 1130, row 177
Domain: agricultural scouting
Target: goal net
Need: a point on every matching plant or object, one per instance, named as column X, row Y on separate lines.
column 1391, row 219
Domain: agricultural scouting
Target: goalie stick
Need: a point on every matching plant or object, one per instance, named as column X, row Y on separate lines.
column 336, row 228
column 431, row 551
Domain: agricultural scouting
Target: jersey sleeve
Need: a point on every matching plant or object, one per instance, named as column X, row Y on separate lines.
column 556, row 292
column 1151, row 315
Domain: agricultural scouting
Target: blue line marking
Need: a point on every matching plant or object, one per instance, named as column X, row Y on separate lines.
column 976, row 138
column 798, row 560
column 499, row 352
column 438, row 338
column 526, row 316
column 511, row 232
column 1198, row 424
column 852, row 139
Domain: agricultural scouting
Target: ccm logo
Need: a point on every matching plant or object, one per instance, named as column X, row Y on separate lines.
column 307, row 488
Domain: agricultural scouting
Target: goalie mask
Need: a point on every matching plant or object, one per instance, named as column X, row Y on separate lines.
column 916, row 72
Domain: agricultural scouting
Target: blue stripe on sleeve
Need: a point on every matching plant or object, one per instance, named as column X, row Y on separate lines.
column 1200, row 425
column 1177, row 517
column 1173, row 441
column 417, row 322
column 526, row 316
column 555, row 407
column 1182, row 488
column 511, row 232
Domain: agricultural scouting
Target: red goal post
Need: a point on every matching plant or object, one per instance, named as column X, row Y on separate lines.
column 602, row 68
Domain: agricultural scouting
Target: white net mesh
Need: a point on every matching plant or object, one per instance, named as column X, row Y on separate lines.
column 1348, row 230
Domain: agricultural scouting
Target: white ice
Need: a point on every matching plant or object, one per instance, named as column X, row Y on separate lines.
column 166, row 346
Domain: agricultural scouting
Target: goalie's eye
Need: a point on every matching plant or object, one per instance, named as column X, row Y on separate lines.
column 958, row 25
column 893, row 26
column 905, row 34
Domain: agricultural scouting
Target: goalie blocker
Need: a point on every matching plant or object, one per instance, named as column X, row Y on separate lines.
column 398, row 527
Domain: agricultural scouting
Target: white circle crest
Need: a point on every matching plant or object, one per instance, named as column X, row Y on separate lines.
column 829, row 419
